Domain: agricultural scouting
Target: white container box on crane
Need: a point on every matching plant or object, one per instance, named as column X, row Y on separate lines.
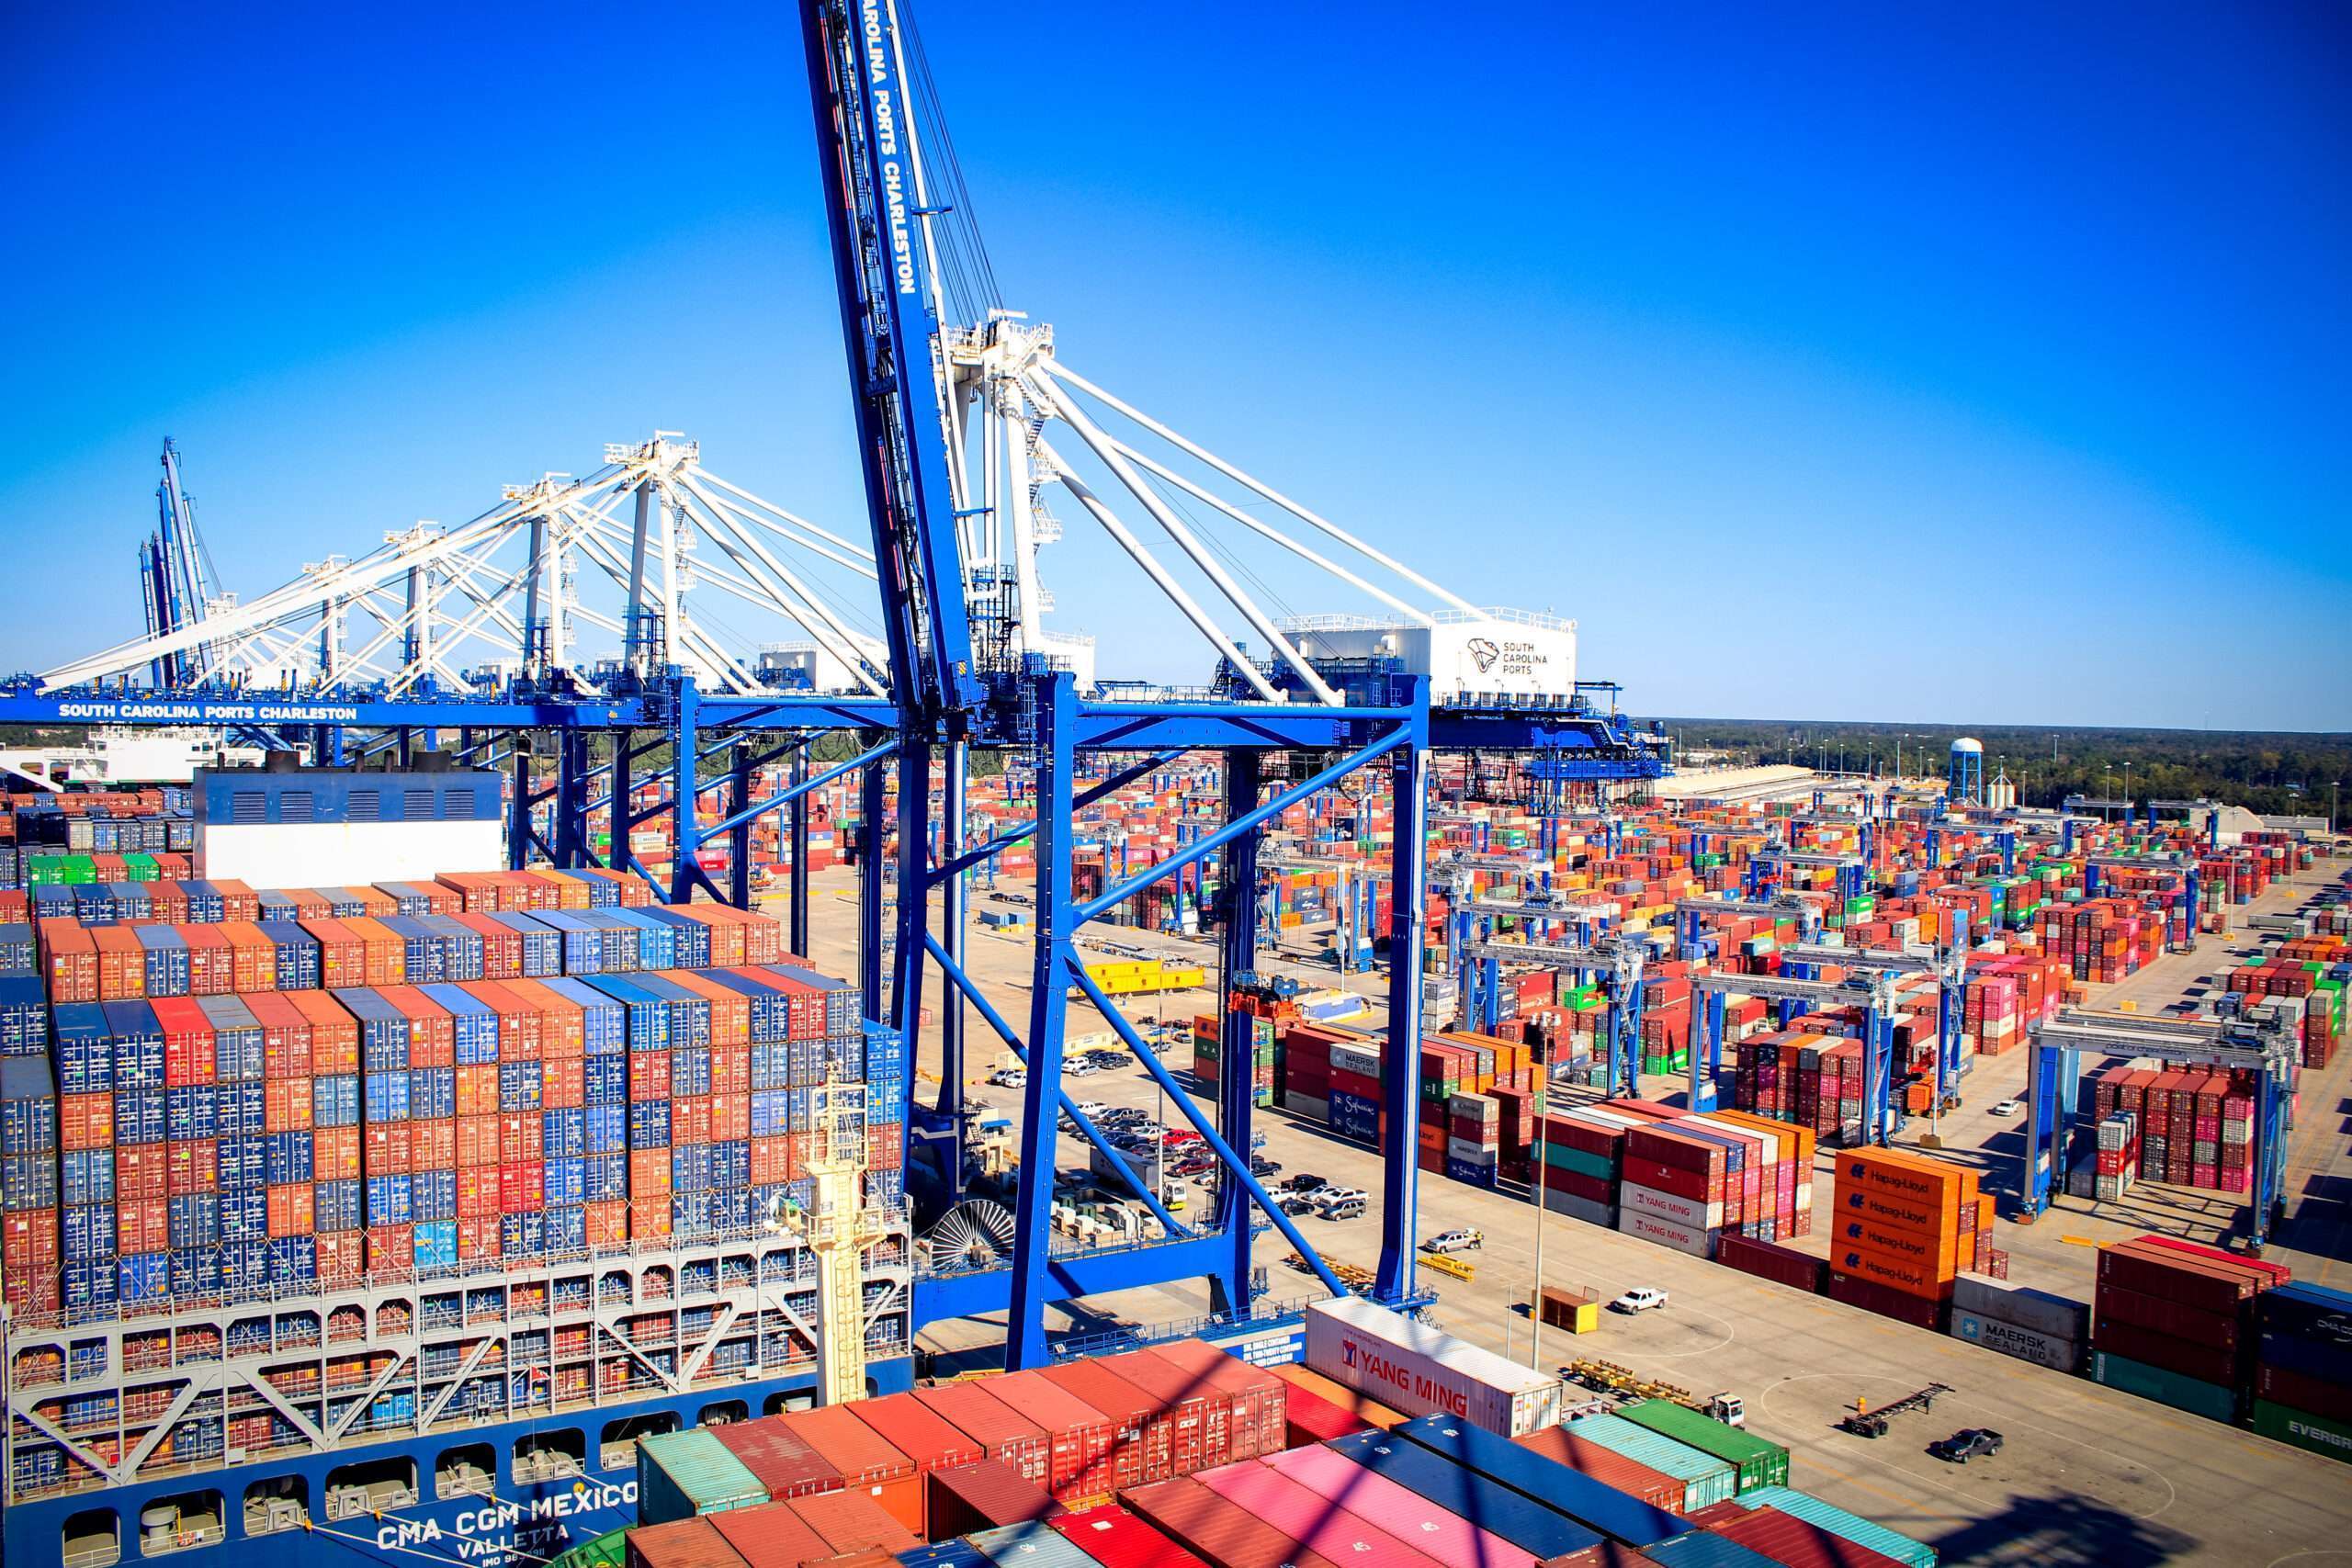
column 1516, row 653
column 1409, row 1366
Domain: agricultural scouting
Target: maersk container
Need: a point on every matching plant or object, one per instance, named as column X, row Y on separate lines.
column 1865, row 1533
column 1758, row 1463
column 1413, row 1368
column 2016, row 1339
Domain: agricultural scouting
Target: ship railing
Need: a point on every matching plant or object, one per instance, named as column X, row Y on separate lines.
column 206, row 1306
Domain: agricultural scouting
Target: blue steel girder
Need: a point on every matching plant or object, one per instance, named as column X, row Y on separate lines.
column 866, row 157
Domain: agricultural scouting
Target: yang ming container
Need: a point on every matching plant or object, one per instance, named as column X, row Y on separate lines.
column 1415, row 1369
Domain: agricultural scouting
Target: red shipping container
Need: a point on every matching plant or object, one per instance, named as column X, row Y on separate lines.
column 433, row 1143
column 1295, row 1511
column 392, row 1249
column 999, row 1429
column 335, row 1034
column 432, row 1031
column 984, row 1495
column 478, row 1235
column 851, row 1521
column 770, row 1535
column 85, row 1121
column 191, row 1166
column 1215, row 1530
column 188, row 1044
column 385, row 1148
column 1077, row 1436
column 334, row 1152
column 1254, row 1396
column 868, row 1462
column 290, row 1209
column 1116, row 1539
column 287, row 1105
column 1184, row 1404
column 140, row 1171
column 784, row 1462
column 1562, row 1446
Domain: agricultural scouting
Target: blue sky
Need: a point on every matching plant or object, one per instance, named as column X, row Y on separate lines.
column 1824, row 362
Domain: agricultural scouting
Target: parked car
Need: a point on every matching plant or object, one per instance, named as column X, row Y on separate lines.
column 1011, row 1078
column 1326, row 1196
column 1969, row 1442
column 1461, row 1238
column 1261, row 1167
column 2005, row 1109
column 1296, row 1204
column 1640, row 1298
column 1349, row 1208
column 1305, row 1181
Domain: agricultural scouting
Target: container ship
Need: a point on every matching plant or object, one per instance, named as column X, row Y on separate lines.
column 387, row 1218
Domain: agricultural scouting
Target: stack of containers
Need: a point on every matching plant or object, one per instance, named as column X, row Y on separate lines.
column 1703, row 1479
column 340, row 1147
column 2032, row 1325
column 88, row 1237
column 142, row 1155
column 2302, row 1370
column 1678, row 1187
column 2173, row 1321
column 29, row 1193
column 1903, row 1225
column 249, row 1105
column 1755, row 1462
column 1583, row 1153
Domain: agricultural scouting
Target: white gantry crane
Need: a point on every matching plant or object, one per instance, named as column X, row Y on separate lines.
column 778, row 603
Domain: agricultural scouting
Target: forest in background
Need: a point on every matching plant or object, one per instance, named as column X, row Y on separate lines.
column 2274, row 773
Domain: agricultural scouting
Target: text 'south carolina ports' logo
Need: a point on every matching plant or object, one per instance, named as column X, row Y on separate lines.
column 1484, row 653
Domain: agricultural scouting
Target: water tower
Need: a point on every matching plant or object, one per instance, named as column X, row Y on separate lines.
column 1966, row 779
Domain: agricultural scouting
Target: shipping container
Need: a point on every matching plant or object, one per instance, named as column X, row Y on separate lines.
column 1865, row 1533
column 1312, row 1521
column 984, row 1495
column 680, row 1474
column 1542, row 1531
column 1590, row 1502
column 1117, row 1538
column 1030, row 1545
column 1419, row 1369
column 1217, row 1531
column 1758, row 1463
column 1396, row 1510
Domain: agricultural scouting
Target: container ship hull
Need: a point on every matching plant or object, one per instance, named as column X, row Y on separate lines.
column 509, row 1524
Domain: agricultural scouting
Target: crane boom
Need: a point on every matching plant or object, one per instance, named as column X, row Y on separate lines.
column 882, row 269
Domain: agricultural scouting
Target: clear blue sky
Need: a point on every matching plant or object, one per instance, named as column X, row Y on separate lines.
column 1835, row 362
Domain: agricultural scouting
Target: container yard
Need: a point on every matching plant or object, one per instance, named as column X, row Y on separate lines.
column 646, row 1029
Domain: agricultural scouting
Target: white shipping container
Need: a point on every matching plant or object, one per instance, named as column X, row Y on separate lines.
column 1307, row 1105
column 1683, row 1211
column 1346, row 1058
column 1411, row 1367
column 2059, row 1317
column 1771, row 1141
column 2018, row 1341
column 1692, row 1239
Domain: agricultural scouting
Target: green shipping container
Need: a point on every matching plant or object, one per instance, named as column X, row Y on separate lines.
column 1706, row 1480
column 1758, row 1463
column 2320, row 1434
column 140, row 868
column 1599, row 1167
column 2207, row 1399
column 680, row 1474
column 1862, row 1532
